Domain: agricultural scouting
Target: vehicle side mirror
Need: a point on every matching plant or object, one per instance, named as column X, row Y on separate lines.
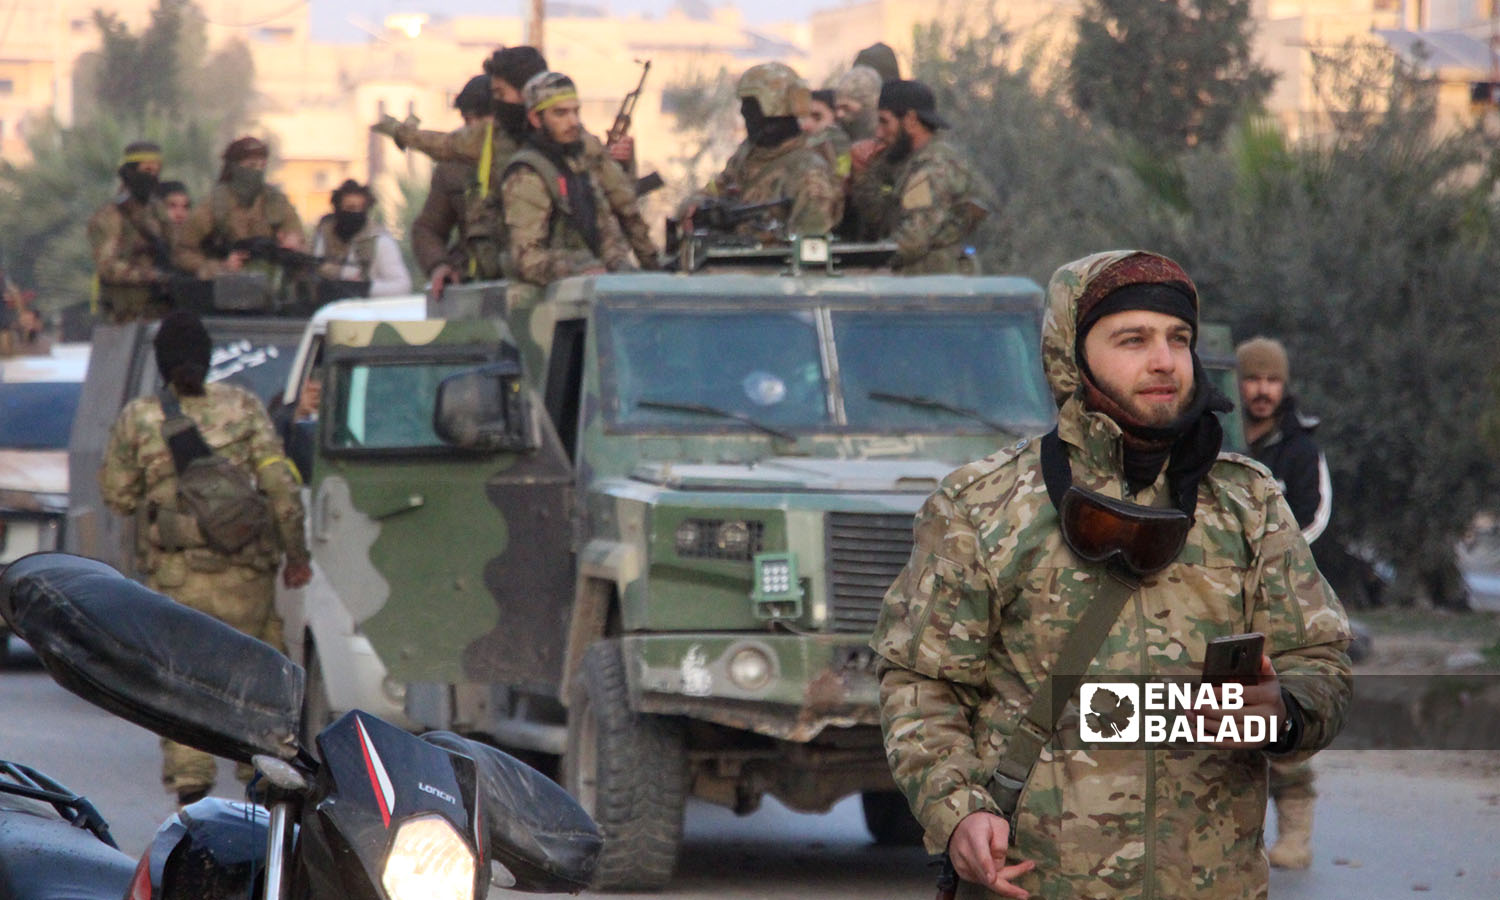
column 484, row 409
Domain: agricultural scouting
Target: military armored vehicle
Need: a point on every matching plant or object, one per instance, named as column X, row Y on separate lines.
column 646, row 522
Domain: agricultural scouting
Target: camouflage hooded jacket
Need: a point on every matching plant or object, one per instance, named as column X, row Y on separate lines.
column 138, row 473
column 794, row 169
column 974, row 623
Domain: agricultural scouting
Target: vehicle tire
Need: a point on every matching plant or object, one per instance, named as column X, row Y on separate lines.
column 629, row 771
column 317, row 713
column 889, row 819
column 4, row 647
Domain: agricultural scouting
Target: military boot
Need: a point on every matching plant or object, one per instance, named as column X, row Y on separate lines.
column 1293, row 847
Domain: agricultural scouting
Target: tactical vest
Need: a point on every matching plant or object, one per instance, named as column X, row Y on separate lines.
column 335, row 250
column 561, row 233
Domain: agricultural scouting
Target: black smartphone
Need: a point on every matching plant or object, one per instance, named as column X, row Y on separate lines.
column 1234, row 658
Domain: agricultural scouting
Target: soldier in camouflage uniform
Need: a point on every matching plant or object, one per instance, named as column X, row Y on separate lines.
column 974, row 624
column 139, row 479
column 488, row 145
column 561, row 218
column 129, row 237
column 443, row 255
column 936, row 199
column 240, row 206
column 775, row 160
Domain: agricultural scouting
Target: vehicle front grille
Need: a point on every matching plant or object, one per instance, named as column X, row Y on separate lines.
column 866, row 551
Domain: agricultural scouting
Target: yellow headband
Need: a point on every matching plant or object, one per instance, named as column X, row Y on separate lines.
column 555, row 99
column 141, row 156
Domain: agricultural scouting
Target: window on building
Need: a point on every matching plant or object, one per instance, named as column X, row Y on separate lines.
column 7, row 87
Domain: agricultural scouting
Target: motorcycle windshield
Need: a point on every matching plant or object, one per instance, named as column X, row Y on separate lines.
column 152, row 661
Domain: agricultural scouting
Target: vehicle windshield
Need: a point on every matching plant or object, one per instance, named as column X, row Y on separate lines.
column 259, row 366
column 898, row 370
column 37, row 415
column 389, row 406
column 762, row 364
column 921, row 370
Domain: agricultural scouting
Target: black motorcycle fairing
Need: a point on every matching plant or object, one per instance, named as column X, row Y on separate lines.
column 533, row 827
column 45, row 858
column 152, row 661
column 214, row 849
column 374, row 778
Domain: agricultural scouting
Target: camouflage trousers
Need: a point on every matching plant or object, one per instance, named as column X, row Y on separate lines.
column 238, row 596
column 1292, row 779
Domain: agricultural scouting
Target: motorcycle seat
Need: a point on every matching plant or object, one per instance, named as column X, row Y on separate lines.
column 44, row 858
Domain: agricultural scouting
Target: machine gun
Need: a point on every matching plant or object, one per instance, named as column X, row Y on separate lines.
column 266, row 249
column 723, row 216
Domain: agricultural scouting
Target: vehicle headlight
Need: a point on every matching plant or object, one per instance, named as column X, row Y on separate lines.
column 687, row 537
column 733, row 539
column 429, row 861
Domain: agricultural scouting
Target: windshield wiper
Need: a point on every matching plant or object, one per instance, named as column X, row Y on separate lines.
column 929, row 403
column 715, row 411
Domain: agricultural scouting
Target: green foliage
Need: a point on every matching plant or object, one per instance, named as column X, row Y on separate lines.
column 158, row 85
column 1370, row 252
column 1172, row 74
column 706, row 114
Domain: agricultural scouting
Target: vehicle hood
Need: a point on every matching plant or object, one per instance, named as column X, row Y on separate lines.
column 916, row 476
column 34, row 471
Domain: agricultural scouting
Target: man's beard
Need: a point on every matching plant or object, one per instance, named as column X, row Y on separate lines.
column 901, row 147
column 1250, row 409
column 1150, row 415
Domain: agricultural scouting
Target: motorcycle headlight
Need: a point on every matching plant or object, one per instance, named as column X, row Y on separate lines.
column 429, row 861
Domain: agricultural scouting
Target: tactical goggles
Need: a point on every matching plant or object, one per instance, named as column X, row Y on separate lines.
column 1142, row 539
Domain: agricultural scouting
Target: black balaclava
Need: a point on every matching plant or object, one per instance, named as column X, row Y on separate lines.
column 767, row 131
column 183, row 351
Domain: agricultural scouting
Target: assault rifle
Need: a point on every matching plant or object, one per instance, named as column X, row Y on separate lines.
column 621, row 126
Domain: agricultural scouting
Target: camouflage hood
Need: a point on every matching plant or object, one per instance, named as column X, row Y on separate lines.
column 1060, row 324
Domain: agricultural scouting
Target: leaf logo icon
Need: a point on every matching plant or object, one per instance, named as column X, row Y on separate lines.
column 1109, row 713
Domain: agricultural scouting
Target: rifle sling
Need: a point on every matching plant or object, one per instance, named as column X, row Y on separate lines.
column 180, row 433
column 1036, row 728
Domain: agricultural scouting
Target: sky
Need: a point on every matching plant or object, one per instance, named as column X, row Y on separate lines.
column 331, row 18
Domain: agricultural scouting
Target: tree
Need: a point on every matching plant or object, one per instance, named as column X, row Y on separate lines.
column 1370, row 251
column 1370, row 254
column 1172, row 74
column 159, row 85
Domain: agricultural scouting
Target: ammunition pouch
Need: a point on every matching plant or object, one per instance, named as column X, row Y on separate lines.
column 174, row 531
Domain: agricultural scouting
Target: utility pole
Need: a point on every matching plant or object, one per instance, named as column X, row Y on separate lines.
column 535, row 26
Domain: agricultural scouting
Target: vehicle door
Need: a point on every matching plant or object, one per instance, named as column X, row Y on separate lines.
column 452, row 552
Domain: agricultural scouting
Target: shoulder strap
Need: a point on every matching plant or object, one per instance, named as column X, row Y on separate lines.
column 486, row 158
column 180, row 433
column 550, row 175
column 1039, row 724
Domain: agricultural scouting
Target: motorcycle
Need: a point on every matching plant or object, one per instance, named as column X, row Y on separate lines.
column 376, row 814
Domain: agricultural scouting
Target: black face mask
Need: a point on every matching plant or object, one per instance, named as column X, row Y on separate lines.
column 347, row 224
column 511, row 117
column 141, row 185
